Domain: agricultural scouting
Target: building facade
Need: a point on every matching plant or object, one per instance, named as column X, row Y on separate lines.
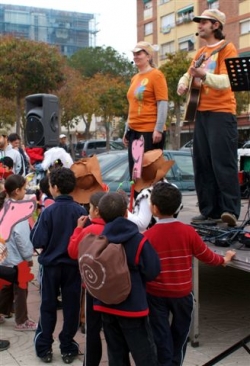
column 169, row 24
column 70, row 31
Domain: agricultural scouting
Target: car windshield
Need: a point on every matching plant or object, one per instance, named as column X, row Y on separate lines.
column 117, row 174
column 106, row 160
column 79, row 145
column 185, row 165
column 116, row 145
column 246, row 145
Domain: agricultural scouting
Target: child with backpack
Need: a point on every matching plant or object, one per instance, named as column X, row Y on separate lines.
column 93, row 351
column 171, row 292
column 126, row 325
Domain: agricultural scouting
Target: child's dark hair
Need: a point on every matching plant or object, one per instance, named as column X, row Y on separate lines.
column 13, row 182
column 166, row 197
column 111, row 206
column 7, row 161
column 63, row 178
column 13, row 137
column 95, row 198
column 44, row 186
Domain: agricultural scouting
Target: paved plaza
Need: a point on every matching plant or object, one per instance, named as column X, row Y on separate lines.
column 224, row 315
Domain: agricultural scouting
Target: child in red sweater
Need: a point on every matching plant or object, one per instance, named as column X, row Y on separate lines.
column 171, row 292
column 93, row 352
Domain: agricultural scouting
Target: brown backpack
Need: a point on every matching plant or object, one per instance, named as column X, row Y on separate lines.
column 104, row 269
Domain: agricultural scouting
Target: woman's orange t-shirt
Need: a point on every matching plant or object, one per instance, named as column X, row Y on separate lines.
column 144, row 92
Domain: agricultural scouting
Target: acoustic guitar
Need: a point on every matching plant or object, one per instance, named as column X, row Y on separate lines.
column 193, row 94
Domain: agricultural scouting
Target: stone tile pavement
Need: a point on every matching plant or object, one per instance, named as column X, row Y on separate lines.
column 224, row 310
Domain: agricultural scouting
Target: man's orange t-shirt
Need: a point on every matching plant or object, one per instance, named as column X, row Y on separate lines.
column 217, row 100
column 144, row 93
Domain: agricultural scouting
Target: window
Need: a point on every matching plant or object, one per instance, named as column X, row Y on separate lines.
column 148, row 10
column 185, row 165
column 16, row 17
column 213, row 4
column 167, row 22
column 164, row 2
column 116, row 173
column 100, row 144
column 245, row 27
column 147, row 4
column 148, row 29
column 166, row 48
column 186, row 46
column 185, row 15
column 186, row 43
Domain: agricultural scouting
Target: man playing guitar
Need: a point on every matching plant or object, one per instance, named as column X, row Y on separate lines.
column 215, row 131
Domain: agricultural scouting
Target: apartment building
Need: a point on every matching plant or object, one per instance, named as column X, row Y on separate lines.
column 169, row 24
column 70, row 31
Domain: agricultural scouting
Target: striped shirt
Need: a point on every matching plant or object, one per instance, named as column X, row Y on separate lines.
column 176, row 244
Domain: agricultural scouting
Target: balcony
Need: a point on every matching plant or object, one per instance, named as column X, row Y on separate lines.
column 166, row 29
column 184, row 20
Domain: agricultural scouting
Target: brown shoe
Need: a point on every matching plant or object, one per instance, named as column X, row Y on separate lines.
column 229, row 218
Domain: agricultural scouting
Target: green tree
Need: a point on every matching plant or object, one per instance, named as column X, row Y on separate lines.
column 100, row 60
column 175, row 66
column 104, row 96
column 107, row 75
column 28, row 67
column 7, row 113
column 70, row 97
column 243, row 101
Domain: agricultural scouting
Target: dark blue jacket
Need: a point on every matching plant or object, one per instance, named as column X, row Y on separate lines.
column 53, row 230
column 126, row 232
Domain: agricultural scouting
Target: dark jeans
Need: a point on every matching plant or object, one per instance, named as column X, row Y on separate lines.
column 148, row 144
column 93, row 352
column 215, row 163
column 129, row 335
column 170, row 335
column 68, row 279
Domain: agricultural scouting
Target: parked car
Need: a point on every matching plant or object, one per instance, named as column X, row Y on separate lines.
column 115, row 172
column 91, row 147
column 187, row 146
column 246, row 145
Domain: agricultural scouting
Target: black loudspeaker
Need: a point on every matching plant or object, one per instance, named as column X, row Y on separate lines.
column 42, row 120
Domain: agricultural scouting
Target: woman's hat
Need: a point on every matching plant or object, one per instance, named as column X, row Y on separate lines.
column 147, row 47
column 154, row 168
column 88, row 179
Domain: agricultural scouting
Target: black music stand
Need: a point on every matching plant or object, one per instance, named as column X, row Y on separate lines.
column 238, row 69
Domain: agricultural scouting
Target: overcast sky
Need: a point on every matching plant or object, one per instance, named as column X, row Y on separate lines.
column 116, row 19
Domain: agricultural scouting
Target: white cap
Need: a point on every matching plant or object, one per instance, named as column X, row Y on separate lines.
column 62, row 136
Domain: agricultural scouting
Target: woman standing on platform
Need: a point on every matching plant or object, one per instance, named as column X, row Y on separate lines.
column 148, row 103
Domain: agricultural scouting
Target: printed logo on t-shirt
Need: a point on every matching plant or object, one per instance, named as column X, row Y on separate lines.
column 139, row 92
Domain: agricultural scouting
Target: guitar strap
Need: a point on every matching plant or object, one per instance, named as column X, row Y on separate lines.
column 217, row 50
